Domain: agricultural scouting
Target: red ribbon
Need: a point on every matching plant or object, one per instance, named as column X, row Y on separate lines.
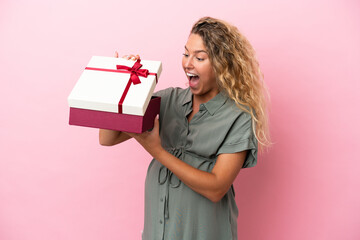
column 134, row 71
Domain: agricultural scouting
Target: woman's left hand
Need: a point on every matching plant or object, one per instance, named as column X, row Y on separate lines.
column 150, row 140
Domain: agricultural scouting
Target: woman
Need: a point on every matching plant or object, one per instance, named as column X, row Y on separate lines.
column 204, row 135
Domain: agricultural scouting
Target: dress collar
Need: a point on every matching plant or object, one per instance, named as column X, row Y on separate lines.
column 211, row 106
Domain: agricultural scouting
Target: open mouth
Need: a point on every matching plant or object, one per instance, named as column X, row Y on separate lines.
column 193, row 79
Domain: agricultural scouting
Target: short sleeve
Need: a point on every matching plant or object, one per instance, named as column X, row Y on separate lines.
column 165, row 96
column 165, row 93
column 240, row 137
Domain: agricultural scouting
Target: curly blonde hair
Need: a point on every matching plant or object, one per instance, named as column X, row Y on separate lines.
column 237, row 70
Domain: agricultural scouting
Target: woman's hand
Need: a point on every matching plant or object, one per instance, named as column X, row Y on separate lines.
column 150, row 140
column 128, row 57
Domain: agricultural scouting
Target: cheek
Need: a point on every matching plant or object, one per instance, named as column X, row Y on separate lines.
column 210, row 74
column 212, row 80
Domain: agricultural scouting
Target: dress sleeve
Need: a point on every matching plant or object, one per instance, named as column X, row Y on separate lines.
column 240, row 137
column 165, row 95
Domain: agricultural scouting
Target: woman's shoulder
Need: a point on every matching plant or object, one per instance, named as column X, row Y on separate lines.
column 173, row 93
column 231, row 108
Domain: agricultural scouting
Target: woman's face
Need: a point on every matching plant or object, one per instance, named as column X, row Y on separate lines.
column 198, row 69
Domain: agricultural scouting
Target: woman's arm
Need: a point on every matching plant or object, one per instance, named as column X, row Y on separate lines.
column 111, row 137
column 213, row 185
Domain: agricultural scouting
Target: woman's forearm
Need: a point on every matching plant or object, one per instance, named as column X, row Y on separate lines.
column 111, row 137
column 204, row 183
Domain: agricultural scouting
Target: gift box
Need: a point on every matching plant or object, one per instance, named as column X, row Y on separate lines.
column 115, row 93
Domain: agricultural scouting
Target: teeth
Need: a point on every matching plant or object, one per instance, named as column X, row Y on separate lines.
column 191, row 75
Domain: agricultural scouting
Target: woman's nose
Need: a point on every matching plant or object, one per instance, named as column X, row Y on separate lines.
column 188, row 62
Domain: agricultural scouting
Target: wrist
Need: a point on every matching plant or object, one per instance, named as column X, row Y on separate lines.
column 157, row 152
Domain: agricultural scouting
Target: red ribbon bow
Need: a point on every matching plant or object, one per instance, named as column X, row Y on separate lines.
column 135, row 71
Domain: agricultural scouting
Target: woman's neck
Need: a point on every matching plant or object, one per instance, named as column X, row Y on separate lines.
column 199, row 99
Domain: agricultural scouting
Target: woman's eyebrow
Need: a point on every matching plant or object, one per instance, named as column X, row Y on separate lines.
column 196, row 51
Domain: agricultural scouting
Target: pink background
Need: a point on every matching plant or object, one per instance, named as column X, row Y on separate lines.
column 57, row 182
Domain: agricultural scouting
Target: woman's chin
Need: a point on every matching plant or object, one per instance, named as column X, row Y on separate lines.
column 197, row 92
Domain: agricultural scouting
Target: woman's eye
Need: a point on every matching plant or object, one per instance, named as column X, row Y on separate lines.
column 200, row 59
column 185, row 55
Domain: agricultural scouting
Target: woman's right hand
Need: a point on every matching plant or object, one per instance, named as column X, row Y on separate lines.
column 128, row 57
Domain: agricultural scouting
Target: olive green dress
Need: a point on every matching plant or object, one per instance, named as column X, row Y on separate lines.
column 173, row 211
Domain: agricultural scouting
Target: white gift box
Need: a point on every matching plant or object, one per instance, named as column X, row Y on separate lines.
column 101, row 87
